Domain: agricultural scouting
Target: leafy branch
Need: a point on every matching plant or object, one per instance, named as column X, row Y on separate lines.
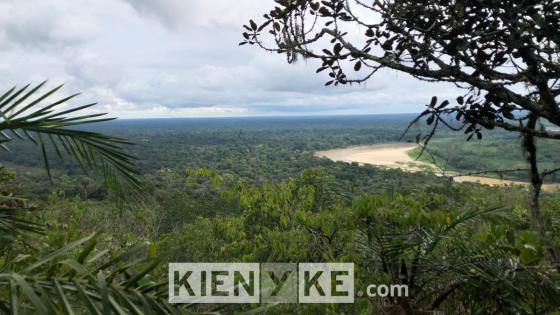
column 26, row 114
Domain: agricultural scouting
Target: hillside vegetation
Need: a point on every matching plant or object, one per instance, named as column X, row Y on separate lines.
column 238, row 191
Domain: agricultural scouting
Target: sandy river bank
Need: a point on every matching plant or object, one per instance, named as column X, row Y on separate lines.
column 397, row 156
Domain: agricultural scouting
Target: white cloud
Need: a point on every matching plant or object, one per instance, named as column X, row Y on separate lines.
column 36, row 24
column 141, row 58
column 88, row 69
column 201, row 13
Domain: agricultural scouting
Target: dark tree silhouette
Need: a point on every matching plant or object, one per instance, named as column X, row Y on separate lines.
column 504, row 54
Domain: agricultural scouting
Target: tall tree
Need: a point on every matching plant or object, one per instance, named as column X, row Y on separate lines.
column 504, row 54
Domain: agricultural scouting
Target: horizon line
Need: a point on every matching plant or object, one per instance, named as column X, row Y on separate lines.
column 271, row 116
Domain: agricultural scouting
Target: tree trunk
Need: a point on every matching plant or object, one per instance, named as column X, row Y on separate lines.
column 536, row 184
column 536, row 178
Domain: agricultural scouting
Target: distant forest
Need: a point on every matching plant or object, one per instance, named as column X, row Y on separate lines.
column 279, row 147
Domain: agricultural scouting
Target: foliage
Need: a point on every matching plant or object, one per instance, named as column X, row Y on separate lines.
column 78, row 278
column 497, row 153
column 252, row 191
column 491, row 49
column 73, row 276
column 451, row 244
column 428, row 252
column 27, row 118
column 503, row 54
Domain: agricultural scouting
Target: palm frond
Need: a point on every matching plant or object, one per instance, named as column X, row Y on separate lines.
column 15, row 220
column 438, row 262
column 103, row 284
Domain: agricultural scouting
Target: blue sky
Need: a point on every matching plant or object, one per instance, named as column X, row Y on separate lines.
column 179, row 58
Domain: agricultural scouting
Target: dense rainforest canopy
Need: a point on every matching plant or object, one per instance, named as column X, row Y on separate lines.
column 223, row 190
column 92, row 210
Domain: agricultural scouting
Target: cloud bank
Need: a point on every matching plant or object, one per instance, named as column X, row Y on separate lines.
column 178, row 58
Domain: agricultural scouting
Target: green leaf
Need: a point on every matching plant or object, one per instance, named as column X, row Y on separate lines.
column 30, row 294
column 63, row 300
column 63, row 250
column 14, row 304
column 89, row 303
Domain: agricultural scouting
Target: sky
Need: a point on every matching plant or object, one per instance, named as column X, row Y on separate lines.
column 179, row 58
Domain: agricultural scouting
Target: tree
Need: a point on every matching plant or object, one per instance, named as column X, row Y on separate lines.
column 504, row 54
column 78, row 277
